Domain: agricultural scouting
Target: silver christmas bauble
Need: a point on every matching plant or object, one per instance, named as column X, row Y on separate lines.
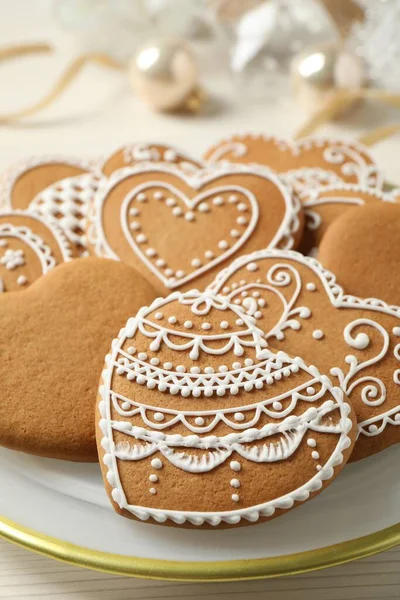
column 164, row 74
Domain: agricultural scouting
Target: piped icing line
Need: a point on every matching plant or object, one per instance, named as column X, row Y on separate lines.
column 273, row 441
column 283, row 238
column 33, row 240
column 374, row 390
column 12, row 173
column 337, row 152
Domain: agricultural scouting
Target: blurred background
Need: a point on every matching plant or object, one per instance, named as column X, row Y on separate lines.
column 92, row 74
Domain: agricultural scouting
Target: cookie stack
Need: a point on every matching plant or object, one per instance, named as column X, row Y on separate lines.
column 234, row 375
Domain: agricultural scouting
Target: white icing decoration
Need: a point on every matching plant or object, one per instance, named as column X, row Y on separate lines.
column 318, row 334
column 373, row 391
column 12, row 259
column 22, row 280
column 263, row 436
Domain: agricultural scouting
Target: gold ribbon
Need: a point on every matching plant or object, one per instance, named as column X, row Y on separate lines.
column 63, row 82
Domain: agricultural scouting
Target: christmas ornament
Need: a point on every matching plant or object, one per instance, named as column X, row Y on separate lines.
column 164, row 75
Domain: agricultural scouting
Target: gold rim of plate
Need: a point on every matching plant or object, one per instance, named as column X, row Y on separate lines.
column 231, row 570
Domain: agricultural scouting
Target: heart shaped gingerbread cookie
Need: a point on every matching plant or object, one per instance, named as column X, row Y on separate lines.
column 348, row 160
column 29, row 248
column 362, row 248
column 178, row 230
column 323, row 205
column 53, row 337
column 201, row 425
column 356, row 342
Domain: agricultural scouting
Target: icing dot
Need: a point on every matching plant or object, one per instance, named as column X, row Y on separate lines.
column 141, row 238
column 170, row 202
column 156, row 463
column 196, row 262
column 241, row 221
column 203, row 207
column 142, row 356
column 224, row 324
column 172, row 320
column 261, row 302
column 396, row 331
column 181, row 369
column 224, row 368
column 315, row 455
column 237, row 301
column 255, row 294
column 318, row 334
column 199, row 421
column 311, row 443
column 237, row 365
column 189, row 216
column 248, row 386
column 134, row 212
column 235, row 233
column 167, row 365
column 277, row 405
column 252, row 266
column 21, row 280
column 235, row 497
column 188, row 324
column 311, row 287
column 238, row 416
column 154, row 361
column 160, row 262
column 158, row 416
column 242, row 207
column 153, row 491
column 169, row 272
column 235, row 483
column 223, row 245
column 177, row 211
column 235, row 465
column 141, row 197
column 233, row 199
column 239, row 321
column 209, row 254
column 305, row 313
column 310, row 390
column 319, row 467
column 131, row 350
column 195, row 370
column 218, row 200
column 208, row 391
column 372, row 428
column 206, row 326
column 125, row 406
column 209, row 370
column 158, row 315
column 135, row 226
column 248, row 362
column 180, row 273
column 151, row 252
column 244, row 294
column 153, row 478
column 158, row 195
column 170, row 155
column 257, row 314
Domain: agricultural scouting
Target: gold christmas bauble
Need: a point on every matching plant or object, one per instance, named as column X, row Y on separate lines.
column 320, row 72
column 164, row 75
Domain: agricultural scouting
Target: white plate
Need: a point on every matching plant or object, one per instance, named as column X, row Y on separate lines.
column 67, row 501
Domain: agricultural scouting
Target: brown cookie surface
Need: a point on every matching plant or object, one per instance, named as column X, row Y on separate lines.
column 178, row 230
column 200, row 424
column 323, row 205
column 29, row 248
column 132, row 154
column 354, row 341
column 53, row 337
column 346, row 159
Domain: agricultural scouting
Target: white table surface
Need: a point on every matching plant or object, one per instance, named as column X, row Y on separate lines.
column 99, row 113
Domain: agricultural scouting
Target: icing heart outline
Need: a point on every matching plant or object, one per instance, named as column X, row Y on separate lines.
column 289, row 225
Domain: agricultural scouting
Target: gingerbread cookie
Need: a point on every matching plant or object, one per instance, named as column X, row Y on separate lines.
column 362, row 248
column 200, row 424
column 53, row 337
column 348, row 160
column 179, row 230
column 54, row 186
column 322, row 206
column 132, row 154
column 29, row 248
column 354, row 341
